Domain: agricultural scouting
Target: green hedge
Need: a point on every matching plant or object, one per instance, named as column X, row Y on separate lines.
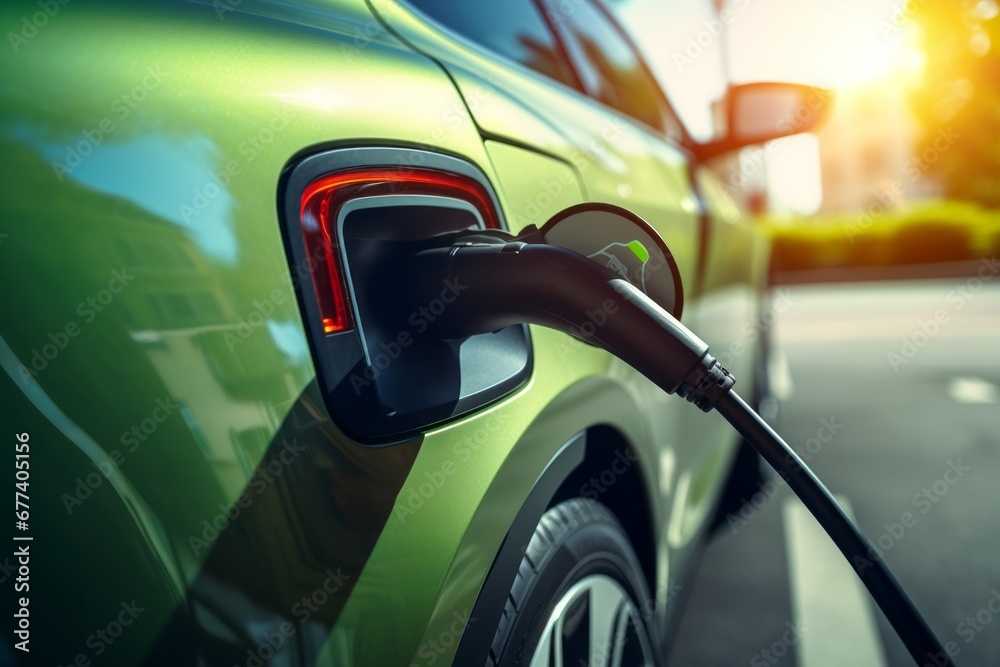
column 931, row 232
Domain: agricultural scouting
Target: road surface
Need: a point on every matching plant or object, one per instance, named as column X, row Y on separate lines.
column 893, row 391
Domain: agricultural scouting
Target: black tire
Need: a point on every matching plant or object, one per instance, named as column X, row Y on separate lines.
column 576, row 543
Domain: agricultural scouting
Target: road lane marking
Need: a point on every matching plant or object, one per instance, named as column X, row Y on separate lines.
column 828, row 600
column 779, row 376
column 852, row 328
column 973, row 390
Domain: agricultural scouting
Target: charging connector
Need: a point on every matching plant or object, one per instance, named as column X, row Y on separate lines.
column 507, row 280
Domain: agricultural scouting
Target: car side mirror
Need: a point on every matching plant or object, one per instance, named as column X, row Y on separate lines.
column 759, row 112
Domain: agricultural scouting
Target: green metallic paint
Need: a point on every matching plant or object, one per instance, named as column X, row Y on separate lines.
column 180, row 195
column 178, row 190
column 619, row 161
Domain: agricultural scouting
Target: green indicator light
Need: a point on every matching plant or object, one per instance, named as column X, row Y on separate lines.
column 639, row 250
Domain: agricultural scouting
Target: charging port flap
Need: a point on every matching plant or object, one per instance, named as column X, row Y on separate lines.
column 382, row 378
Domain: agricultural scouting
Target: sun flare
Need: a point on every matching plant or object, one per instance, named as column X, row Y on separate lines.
column 895, row 58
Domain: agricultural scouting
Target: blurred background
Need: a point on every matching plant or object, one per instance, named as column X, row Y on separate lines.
column 906, row 170
column 885, row 225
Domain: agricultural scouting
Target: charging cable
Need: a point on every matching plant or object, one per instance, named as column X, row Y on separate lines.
column 510, row 281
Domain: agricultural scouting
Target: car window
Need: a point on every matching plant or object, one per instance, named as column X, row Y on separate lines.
column 606, row 63
column 515, row 28
column 686, row 57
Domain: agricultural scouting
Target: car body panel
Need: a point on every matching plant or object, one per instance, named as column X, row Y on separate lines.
column 157, row 190
column 195, row 376
column 622, row 161
column 519, row 173
column 611, row 152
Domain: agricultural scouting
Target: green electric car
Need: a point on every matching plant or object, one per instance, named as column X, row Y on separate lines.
column 219, row 455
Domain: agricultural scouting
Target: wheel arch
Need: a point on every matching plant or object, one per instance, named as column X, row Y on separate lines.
column 570, row 473
column 610, row 474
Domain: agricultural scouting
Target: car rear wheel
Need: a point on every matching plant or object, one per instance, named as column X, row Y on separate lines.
column 580, row 596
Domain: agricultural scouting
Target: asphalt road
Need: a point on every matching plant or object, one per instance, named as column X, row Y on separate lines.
column 893, row 391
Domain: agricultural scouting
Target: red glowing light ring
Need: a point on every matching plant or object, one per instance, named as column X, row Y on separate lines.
column 323, row 199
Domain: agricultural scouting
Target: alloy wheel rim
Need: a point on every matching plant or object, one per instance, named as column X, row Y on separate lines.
column 594, row 624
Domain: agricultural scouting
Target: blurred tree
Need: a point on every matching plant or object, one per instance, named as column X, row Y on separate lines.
column 958, row 94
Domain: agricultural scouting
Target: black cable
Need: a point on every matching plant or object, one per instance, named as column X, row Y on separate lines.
column 558, row 288
column 911, row 627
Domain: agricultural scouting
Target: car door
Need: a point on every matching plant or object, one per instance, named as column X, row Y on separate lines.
column 574, row 101
column 154, row 349
column 613, row 73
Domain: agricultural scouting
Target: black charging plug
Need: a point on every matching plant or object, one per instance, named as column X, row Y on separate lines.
column 508, row 280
